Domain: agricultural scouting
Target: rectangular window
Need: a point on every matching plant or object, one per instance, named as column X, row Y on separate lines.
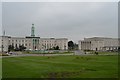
column 9, row 41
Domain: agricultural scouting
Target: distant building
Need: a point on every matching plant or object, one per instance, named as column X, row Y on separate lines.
column 32, row 42
column 99, row 43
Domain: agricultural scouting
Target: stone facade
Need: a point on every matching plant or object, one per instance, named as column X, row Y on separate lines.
column 33, row 43
column 99, row 43
column 47, row 43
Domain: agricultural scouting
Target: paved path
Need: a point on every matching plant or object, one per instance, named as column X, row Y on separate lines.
column 20, row 55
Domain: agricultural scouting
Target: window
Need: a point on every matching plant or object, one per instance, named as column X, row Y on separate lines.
column 25, row 44
column 9, row 41
column 16, row 45
column 12, row 44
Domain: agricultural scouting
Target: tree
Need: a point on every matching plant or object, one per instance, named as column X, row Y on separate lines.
column 10, row 48
column 22, row 47
column 70, row 45
column 16, row 48
column 56, row 48
column 76, row 46
column 119, row 49
column 96, row 53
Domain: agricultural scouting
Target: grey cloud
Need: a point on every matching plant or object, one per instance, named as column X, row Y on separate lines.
column 72, row 20
column 0, row 18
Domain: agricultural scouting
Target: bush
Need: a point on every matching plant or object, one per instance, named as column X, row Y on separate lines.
column 88, row 50
column 96, row 53
column 4, row 54
column 0, row 54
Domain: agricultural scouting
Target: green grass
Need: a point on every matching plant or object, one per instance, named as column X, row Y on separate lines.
column 61, row 67
column 107, row 52
column 0, row 68
column 111, row 53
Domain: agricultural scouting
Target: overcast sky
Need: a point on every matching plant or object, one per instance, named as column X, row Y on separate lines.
column 0, row 18
column 72, row 20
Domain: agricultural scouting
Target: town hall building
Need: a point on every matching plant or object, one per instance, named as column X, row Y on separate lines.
column 32, row 42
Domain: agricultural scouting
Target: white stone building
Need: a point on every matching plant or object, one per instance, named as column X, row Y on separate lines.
column 99, row 43
column 32, row 42
column 48, row 43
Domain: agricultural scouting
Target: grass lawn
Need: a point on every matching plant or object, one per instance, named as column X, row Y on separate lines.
column 0, row 67
column 60, row 67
